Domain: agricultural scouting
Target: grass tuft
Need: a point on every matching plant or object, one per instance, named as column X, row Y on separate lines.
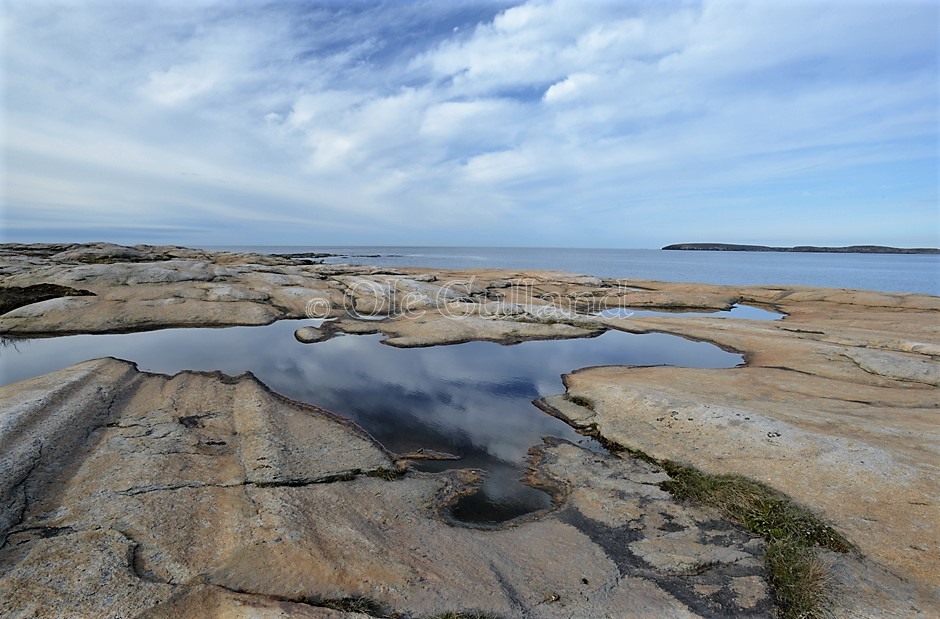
column 758, row 507
column 799, row 578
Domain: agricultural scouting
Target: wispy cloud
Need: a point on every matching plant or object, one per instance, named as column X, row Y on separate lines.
column 540, row 123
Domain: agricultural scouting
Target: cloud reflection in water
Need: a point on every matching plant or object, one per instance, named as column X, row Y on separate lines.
column 473, row 400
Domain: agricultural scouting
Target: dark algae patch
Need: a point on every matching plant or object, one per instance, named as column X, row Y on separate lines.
column 580, row 400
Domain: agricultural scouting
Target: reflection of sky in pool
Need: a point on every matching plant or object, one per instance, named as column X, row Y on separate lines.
column 738, row 311
column 472, row 400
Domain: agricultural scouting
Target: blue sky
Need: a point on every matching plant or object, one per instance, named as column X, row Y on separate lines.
column 544, row 123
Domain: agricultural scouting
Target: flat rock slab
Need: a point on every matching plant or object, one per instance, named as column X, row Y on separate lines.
column 860, row 449
column 204, row 495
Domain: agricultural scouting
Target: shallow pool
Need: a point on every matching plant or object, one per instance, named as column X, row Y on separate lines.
column 745, row 312
column 473, row 400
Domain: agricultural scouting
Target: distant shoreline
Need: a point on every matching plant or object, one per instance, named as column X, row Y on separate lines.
column 851, row 249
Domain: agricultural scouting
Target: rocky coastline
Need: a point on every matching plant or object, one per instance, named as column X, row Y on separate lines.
column 130, row 494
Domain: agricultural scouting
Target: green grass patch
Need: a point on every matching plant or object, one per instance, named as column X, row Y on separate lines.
column 758, row 507
column 798, row 577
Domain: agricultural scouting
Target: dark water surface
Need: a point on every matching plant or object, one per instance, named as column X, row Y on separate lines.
column 473, row 400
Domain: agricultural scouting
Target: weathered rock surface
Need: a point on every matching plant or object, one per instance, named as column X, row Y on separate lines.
column 201, row 495
column 146, row 287
column 834, row 408
column 309, row 335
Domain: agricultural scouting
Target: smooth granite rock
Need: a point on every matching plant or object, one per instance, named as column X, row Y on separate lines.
column 204, row 495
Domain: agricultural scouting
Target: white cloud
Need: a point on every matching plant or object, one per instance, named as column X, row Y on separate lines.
column 178, row 84
column 569, row 88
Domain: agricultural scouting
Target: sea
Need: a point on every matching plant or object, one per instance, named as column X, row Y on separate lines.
column 918, row 273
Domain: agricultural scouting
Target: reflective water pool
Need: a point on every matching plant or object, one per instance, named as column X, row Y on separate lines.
column 473, row 400
column 738, row 311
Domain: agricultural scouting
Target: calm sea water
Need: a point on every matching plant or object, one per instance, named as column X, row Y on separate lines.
column 887, row 273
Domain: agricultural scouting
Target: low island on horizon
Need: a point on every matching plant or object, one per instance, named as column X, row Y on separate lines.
column 851, row 249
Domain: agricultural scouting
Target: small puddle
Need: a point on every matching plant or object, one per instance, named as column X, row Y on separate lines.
column 746, row 312
column 473, row 400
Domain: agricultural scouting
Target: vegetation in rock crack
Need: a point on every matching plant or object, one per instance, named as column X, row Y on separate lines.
column 355, row 605
column 616, row 448
column 761, row 509
column 386, row 473
column 464, row 615
column 799, row 578
column 367, row 606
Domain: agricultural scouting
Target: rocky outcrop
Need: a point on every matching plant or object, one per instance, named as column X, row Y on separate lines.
column 835, row 407
column 203, row 495
column 309, row 335
column 159, row 287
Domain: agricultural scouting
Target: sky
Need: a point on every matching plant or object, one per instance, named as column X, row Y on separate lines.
column 552, row 123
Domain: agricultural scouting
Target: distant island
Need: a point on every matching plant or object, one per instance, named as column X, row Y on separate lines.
column 851, row 249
